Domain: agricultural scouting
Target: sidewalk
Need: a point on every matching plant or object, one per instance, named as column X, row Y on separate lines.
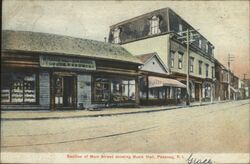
column 45, row 115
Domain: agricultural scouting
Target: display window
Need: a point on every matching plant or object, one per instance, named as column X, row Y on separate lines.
column 18, row 88
column 113, row 90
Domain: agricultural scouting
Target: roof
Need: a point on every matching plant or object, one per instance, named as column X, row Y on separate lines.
column 160, row 82
column 64, row 45
column 145, row 58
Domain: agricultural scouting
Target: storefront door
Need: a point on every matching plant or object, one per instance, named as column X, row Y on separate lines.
column 64, row 91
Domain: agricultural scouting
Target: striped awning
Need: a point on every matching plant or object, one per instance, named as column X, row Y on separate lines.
column 160, row 82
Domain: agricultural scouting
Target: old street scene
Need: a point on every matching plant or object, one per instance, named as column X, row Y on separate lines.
column 159, row 79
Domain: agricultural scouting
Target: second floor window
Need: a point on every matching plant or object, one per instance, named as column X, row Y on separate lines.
column 191, row 62
column 180, row 59
column 212, row 72
column 207, row 67
column 154, row 25
column 172, row 59
column 116, row 35
column 200, row 67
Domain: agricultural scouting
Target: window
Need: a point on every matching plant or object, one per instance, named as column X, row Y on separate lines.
column 199, row 43
column 116, row 35
column 212, row 72
column 18, row 88
column 180, row 29
column 207, row 47
column 207, row 66
column 154, row 25
column 172, row 58
column 180, row 58
column 200, row 67
column 102, row 90
column 191, row 64
column 113, row 90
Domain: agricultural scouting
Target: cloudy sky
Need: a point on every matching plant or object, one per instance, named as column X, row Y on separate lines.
column 224, row 23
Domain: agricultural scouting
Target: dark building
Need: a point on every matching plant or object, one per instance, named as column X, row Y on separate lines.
column 221, row 85
column 47, row 71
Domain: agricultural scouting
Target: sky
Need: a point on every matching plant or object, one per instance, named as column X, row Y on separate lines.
column 224, row 23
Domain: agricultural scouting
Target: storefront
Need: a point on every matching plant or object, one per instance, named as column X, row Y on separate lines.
column 57, row 72
column 156, row 87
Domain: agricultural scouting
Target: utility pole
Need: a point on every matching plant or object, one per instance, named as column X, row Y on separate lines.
column 230, row 58
column 188, row 38
column 244, row 85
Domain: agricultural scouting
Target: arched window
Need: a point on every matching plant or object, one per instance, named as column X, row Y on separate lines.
column 154, row 25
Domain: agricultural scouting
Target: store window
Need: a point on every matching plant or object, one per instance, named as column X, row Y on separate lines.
column 154, row 25
column 114, row 90
column 180, row 59
column 102, row 90
column 18, row 88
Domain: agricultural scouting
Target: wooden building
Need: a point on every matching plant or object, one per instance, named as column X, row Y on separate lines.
column 48, row 71
column 156, row 87
column 158, row 31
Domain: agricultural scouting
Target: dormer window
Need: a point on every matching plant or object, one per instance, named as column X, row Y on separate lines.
column 155, row 25
column 199, row 43
column 180, row 29
column 116, row 35
column 207, row 48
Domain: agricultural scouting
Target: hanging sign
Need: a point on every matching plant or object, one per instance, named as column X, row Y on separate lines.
column 64, row 62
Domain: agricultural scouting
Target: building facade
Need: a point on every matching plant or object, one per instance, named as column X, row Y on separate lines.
column 158, row 32
column 47, row 71
column 221, row 84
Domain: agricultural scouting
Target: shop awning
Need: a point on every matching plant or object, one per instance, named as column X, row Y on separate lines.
column 235, row 90
column 160, row 82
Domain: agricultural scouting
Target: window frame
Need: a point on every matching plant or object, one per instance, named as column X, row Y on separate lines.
column 154, row 25
column 207, row 70
column 36, row 85
column 200, row 67
column 172, row 55
column 180, row 60
column 191, row 61
column 116, row 35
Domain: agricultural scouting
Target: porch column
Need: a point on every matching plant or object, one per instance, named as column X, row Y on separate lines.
column 212, row 93
column 137, row 91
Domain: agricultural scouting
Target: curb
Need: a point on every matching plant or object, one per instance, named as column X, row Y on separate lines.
column 107, row 114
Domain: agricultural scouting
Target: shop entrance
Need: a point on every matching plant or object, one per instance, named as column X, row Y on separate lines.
column 64, row 92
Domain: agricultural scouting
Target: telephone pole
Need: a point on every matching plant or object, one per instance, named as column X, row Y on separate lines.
column 188, row 38
column 230, row 58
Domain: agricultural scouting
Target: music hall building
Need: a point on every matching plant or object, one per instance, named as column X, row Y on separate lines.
column 54, row 72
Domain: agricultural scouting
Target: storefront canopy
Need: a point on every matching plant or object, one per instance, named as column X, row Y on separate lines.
column 233, row 89
column 160, row 82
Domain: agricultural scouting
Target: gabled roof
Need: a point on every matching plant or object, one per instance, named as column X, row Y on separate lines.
column 37, row 42
column 145, row 58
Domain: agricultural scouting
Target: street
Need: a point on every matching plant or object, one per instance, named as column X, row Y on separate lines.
column 216, row 128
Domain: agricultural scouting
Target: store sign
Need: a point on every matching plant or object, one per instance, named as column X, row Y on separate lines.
column 64, row 62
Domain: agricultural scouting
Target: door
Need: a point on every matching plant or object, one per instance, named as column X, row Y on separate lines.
column 64, row 92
